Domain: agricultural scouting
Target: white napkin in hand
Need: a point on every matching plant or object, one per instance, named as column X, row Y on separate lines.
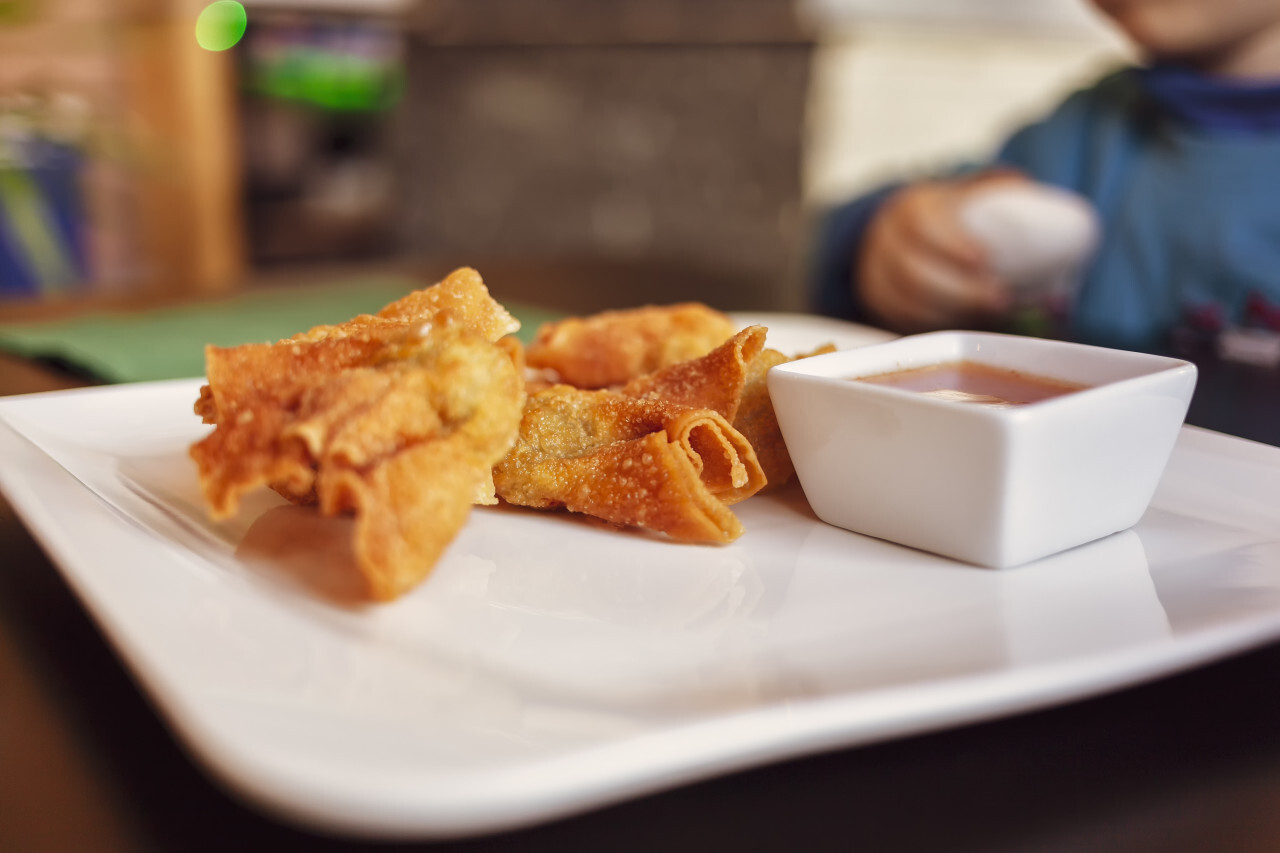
column 1039, row 236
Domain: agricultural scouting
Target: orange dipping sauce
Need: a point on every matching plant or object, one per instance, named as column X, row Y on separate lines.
column 973, row 382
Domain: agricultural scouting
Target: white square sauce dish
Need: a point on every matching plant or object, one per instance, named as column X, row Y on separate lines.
column 991, row 449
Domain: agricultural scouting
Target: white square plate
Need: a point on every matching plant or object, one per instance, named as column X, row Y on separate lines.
column 551, row 665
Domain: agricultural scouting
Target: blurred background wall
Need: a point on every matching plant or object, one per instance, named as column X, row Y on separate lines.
column 119, row 168
column 903, row 86
column 663, row 133
column 661, row 149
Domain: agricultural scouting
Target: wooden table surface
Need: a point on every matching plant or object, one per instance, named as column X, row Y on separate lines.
column 1190, row 762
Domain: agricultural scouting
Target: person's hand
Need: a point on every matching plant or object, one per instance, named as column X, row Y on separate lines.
column 920, row 270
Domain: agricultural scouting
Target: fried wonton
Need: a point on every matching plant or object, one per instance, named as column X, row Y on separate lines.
column 714, row 381
column 731, row 380
column 614, row 347
column 461, row 299
column 396, row 417
column 633, row 461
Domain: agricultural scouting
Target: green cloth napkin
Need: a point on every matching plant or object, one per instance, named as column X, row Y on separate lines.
column 168, row 343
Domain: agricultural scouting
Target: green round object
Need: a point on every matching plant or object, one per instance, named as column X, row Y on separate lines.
column 220, row 25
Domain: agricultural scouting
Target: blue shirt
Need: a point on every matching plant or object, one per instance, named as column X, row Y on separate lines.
column 1185, row 173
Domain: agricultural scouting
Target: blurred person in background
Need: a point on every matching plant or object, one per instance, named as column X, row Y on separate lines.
column 1177, row 161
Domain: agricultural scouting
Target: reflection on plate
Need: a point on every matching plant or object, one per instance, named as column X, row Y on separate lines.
column 552, row 664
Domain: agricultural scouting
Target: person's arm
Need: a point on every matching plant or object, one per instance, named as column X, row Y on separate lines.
column 894, row 257
column 839, row 237
column 900, row 258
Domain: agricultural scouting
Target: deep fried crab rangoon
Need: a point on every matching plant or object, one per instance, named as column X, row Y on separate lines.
column 632, row 461
column 731, row 381
column 613, row 347
column 396, row 417
column 655, row 417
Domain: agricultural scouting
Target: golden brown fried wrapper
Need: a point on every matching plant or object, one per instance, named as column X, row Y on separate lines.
column 714, row 381
column 614, row 347
column 460, row 300
column 758, row 423
column 414, row 454
column 641, row 462
column 756, row 420
column 398, row 419
column 731, row 380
